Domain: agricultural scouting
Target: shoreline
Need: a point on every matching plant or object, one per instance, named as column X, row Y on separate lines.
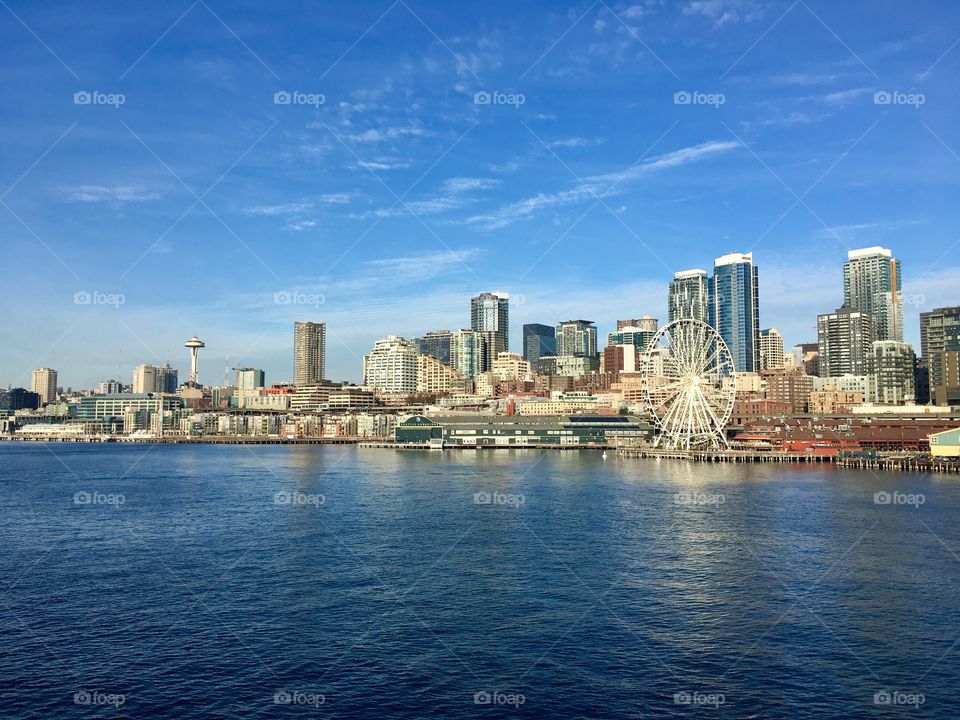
column 912, row 463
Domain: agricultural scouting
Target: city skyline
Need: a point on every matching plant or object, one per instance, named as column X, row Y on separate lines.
column 318, row 356
column 487, row 149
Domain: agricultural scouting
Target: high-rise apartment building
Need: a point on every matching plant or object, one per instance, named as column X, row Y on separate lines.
column 154, row 379
column 734, row 308
column 771, row 349
column 638, row 334
column 309, row 352
column 538, row 341
column 890, row 372
column 44, row 384
column 872, row 283
column 577, row 338
column 250, row 379
column 844, row 339
column 436, row 344
column 939, row 334
column 490, row 314
column 688, row 296
column 391, row 366
column 467, row 352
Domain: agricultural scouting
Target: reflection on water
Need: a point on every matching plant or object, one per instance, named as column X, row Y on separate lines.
column 407, row 582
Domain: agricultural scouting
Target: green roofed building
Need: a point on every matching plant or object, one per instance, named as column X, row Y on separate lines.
column 470, row 430
column 945, row 444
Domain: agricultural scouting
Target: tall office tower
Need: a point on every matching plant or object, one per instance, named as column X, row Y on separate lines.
column 872, row 282
column 637, row 333
column 771, row 349
column 154, row 378
column 44, row 384
column 844, row 339
column 167, row 379
column 890, row 372
column 577, row 338
column 250, row 378
column 109, row 387
column 391, row 366
column 436, row 344
column 467, row 352
column 688, row 296
column 309, row 352
column 538, row 340
column 490, row 313
column 734, row 308
column 939, row 334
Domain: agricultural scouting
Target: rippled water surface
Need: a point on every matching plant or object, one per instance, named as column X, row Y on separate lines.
column 234, row 582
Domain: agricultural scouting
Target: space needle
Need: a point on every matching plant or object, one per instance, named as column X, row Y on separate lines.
column 194, row 344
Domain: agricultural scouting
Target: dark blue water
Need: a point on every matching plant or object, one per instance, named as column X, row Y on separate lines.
column 232, row 582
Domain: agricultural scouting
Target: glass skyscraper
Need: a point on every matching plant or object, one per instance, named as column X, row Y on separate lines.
column 734, row 308
column 490, row 315
column 538, row 341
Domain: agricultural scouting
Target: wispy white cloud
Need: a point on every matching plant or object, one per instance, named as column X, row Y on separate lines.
column 282, row 209
column 853, row 231
column 424, row 266
column 299, row 225
column 573, row 142
column 722, row 12
column 598, row 186
column 466, row 184
column 384, row 134
column 109, row 193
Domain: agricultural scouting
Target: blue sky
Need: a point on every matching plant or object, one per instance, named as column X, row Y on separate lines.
column 611, row 145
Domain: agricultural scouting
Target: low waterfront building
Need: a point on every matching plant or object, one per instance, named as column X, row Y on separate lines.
column 503, row 431
column 115, row 411
column 351, row 397
column 945, row 444
column 311, row 397
column 831, row 401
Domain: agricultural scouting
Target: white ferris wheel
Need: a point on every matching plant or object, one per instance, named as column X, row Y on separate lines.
column 688, row 385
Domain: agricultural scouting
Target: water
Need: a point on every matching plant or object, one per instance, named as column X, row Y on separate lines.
column 203, row 581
